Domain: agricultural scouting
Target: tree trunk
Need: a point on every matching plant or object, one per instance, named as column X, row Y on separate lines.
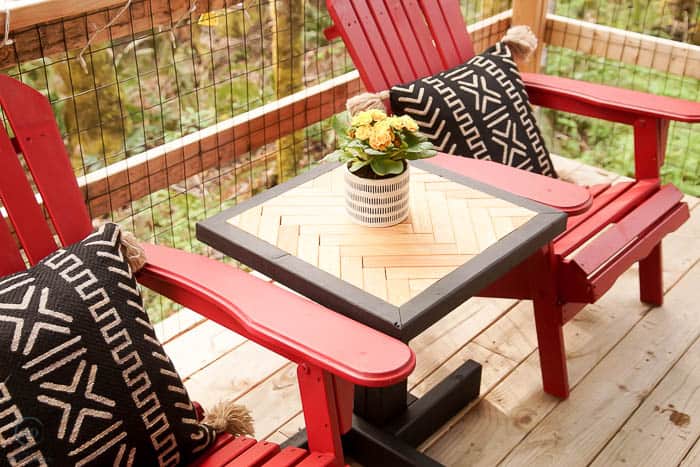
column 288, row 59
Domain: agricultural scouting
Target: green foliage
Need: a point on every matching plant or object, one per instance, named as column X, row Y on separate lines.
column 371, row 139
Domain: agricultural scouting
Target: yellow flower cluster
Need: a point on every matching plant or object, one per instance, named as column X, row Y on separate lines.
column 380, row 130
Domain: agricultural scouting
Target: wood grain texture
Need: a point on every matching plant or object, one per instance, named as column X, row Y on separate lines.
column 665, row 427
column 394, row 264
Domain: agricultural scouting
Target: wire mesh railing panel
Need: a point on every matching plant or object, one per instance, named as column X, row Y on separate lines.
column 629, row 62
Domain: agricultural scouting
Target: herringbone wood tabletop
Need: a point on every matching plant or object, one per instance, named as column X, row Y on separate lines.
column 449, row 224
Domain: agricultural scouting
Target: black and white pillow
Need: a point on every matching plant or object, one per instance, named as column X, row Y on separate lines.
column 478, row 109
column 83, row 378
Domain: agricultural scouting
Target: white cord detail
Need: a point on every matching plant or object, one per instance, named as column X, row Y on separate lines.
column 6, row 40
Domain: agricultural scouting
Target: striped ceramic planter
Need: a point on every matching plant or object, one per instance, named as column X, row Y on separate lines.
column 377, row 203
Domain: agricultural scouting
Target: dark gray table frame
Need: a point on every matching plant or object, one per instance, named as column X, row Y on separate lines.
column 410, row 319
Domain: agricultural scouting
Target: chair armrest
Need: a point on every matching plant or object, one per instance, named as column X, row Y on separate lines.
column 606, row 102
column 281, row 321
column 567, row 197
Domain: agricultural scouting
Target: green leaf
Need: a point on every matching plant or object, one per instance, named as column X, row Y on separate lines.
column 374, row 152
column 335, row 156
column 357, row 165
column 385, row 166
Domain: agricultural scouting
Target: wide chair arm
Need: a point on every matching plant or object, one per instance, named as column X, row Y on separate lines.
column 606, row 102
column 281, row 321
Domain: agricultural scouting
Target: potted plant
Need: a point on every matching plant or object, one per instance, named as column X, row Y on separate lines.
column 375, row 149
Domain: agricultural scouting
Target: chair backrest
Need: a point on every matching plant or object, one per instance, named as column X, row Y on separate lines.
column 38, row 141
column 397, row 41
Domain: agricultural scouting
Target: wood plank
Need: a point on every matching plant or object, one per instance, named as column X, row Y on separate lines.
column 692, row 459
column 211, row 341
column 628, row 47
column 662, row 430
column 606, row 397
column 532, row 13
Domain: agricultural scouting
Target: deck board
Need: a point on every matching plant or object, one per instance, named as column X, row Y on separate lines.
column 514, row 421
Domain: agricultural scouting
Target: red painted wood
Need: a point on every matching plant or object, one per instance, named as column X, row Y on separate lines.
column 305, row 332
column 287, row 457
column 344, row 398
column 413, row 53
column 452, row 13
column 558, row 194
column 256, row 456
column 600, row 201
column 414, row 14
column 19, row 201
column 612, row 212
column 10, row 258
column 389, row 33
column 651, row 283
column 37, row 135
column 318, row 398
column 548, row 323
column 650, row 138
column 622, row 104
column 631, row 227
column 441, row 32
column 598, row 189
column 317, row 460
column 225, row 449
column 576, row 286
column 356, row 41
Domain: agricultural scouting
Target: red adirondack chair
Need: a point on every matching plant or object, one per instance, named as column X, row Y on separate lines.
column 397, row 41
column 332, row 352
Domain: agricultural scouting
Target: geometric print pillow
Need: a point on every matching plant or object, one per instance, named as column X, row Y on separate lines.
column 478, row 109
column 83, row 378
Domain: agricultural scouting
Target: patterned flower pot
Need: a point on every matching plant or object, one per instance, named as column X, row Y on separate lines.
column 377, row 203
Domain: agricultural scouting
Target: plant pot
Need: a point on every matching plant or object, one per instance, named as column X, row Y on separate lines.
column 377, row 203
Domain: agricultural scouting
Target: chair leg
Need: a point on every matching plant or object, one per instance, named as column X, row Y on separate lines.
column 324, row 408
column 550, row 341
column 651, row 287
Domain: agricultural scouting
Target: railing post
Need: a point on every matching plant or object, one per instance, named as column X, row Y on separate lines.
column 532, row 13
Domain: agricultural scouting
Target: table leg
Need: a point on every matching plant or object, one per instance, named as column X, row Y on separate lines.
column 389, row 424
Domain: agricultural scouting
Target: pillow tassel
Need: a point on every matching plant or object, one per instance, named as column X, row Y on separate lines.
column 132, row 251
column 521, row 41
column 367, row 101
column 227, row 417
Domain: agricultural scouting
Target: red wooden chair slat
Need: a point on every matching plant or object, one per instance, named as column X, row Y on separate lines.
column 256, row 455
column 37, row 135
column 10, row 258
column 440, row 30
column 398, row 51
column 612, row 212
column 452, row 13
column 225, row 449
column 21, row 205
column 600, row 201
column 413, row 52
column 628, row 229
column 317, row 460
column 424, row 37
column 287, row 457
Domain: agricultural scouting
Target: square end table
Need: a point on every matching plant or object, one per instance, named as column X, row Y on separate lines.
column 461, row 236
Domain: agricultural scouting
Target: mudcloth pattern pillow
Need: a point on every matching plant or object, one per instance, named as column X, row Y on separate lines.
column 83, row 379
column 479, row 109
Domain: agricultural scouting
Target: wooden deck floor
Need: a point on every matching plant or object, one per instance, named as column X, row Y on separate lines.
column 635, row 372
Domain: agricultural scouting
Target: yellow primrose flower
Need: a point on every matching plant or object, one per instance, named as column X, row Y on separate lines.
column 396, row 123
column 363, row 132
column 409, row 123
column 382, row 136
column 363, row 118
column 377, row 115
